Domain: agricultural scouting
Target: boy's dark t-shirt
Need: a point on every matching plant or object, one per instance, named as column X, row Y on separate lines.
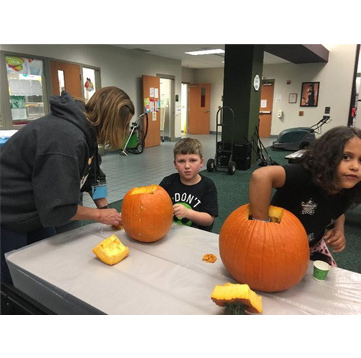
column 201, row 197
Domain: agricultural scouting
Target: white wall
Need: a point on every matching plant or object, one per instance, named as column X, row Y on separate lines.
column 187, row 75
column 335, row 79
column 124, row 68
column 118, row 67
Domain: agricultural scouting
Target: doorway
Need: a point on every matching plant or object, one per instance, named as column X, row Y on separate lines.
column 199, row 108
column 151, row 89
column 265, row 109
column 184, row 108
column 166, row 109
column 65, row 76
column 89, row 83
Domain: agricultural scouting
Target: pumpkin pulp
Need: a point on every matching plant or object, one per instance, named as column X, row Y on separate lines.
column 144, row 190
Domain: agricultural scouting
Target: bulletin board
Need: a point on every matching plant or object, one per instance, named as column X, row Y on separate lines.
column 151, row 104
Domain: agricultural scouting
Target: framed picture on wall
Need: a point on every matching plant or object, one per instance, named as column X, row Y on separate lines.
column 292, row 98
column 309, row 94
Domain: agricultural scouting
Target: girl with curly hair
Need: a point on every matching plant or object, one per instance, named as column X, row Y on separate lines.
column 318, row 189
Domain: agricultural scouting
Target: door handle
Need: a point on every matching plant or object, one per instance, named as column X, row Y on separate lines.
column 207, row 111
column 265, row 112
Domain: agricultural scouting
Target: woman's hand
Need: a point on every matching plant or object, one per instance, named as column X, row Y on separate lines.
column 110, row 217
column 104, row 216
column 335, row 238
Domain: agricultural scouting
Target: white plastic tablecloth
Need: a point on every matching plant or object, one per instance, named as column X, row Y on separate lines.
column 164, row 277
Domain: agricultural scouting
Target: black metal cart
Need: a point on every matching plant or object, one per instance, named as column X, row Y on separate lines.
column 224, row 151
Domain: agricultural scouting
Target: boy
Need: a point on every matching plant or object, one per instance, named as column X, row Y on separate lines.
column 194, row 196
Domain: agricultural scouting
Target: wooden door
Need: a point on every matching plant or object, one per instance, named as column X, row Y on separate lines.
column 199, row 108
column 151, row 91
column 265, row 110
column 71, row 75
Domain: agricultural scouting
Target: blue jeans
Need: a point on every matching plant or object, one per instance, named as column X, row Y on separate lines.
column 11, row 240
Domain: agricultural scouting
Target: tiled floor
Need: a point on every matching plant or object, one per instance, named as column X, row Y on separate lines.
column 149, row 167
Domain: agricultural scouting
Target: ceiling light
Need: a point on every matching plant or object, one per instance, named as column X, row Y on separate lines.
column 205, row 52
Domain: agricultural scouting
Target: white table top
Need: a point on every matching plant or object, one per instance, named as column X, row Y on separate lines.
column 7, row 133
column 164, row 277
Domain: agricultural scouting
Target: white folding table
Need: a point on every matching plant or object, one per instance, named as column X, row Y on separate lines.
column 165, row 277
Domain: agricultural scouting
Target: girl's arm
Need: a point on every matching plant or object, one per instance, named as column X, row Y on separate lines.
column 340, row 223
column 335, row 237
column 263, row 180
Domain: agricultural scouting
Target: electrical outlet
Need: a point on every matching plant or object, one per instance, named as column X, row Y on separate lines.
column 300, row 113
column 327, row 110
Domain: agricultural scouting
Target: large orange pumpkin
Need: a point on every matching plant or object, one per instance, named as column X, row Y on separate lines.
column 268, row 256
column 147, row 213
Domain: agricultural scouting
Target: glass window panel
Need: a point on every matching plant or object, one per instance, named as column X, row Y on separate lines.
column 203, row 96
column 89, row 83
column 1, row 114
column 61, row 80
column 25, row 79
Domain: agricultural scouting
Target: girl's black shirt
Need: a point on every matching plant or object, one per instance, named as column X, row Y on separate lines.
column 316, row 210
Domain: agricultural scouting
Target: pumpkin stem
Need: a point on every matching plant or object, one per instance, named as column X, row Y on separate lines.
column 235, row 309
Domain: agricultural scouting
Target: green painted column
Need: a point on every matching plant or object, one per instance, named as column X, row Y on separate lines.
column 243, row 67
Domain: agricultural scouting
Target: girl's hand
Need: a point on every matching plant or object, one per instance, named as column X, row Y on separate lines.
column 110, row 217
column 335, row 238
column 180, row 211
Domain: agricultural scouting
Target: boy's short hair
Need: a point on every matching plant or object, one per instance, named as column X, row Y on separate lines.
column 188, row 146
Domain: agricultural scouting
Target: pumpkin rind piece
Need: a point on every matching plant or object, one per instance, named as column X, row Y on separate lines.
column 209, row 258
column 111, row 250
column 230, row 293
column 268, row 256
column 147, row 213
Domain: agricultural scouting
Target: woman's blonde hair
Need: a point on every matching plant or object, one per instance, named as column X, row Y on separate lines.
column 110, row 110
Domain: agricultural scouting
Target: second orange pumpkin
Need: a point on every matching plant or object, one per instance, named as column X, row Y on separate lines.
column 147, row 213
column 268, row 256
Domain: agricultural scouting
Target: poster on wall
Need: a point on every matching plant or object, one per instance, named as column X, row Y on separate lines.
column 25, row 85
column 309, row 94
column 17, row 105
column 23, row 65
column 89, row 86
column 147, row 105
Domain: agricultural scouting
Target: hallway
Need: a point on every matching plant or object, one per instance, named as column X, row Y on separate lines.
column 149, row 167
